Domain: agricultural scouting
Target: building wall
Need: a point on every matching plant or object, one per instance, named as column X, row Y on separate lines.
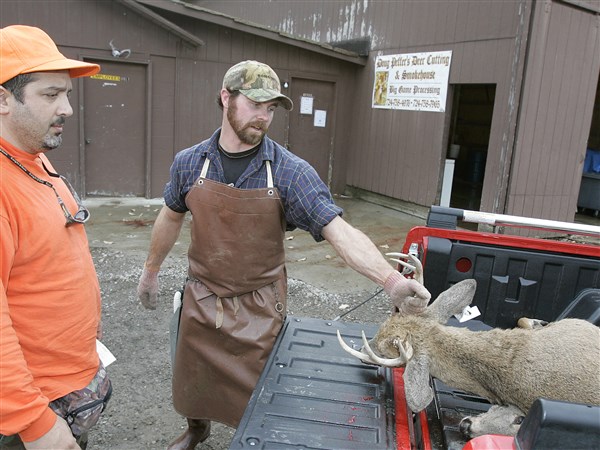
column 561, row 76
column 545, row 51
column 542, row 58
column 82, row 30
column 401, row 154
column 183, row 79
column 200, row 73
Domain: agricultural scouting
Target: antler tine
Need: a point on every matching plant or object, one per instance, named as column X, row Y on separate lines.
column 388, row 362
column 360, row 355
column 416, row 267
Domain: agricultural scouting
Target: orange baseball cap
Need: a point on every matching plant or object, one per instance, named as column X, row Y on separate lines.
column 25, row 49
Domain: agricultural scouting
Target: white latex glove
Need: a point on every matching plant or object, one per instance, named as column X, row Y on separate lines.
column 408, row 296
column 147, row 290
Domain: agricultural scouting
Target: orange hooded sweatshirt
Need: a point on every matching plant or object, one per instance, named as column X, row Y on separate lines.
column 49, row 298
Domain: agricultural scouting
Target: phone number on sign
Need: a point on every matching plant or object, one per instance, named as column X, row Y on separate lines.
column 413, row 103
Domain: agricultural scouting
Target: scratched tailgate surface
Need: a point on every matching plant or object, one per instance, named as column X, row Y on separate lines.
column 313, row 395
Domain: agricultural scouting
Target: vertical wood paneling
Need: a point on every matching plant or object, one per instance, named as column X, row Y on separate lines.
column 556, row 111
column 83, row 29
column 395, row 153
column 163, row 109
column 547, row 81
column 400, row 153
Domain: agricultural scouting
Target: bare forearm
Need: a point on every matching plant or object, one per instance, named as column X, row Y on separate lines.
column 357, row 250
column 164, row 235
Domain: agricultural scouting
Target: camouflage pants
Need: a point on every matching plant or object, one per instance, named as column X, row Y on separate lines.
column 81, row 409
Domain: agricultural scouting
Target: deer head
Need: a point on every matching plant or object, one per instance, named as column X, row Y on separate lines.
column 392, row 345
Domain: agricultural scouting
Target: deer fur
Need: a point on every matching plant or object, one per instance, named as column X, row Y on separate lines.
column 511, row 368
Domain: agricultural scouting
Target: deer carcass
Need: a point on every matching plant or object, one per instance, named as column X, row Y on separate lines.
column 510, row 368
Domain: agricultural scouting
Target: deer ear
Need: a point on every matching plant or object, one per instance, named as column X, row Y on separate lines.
column 417, row 390
column 452, row 301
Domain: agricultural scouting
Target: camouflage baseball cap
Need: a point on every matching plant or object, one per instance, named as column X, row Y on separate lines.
column 257, row 81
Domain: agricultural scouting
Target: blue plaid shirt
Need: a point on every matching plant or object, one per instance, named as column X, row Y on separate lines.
column 307, row 202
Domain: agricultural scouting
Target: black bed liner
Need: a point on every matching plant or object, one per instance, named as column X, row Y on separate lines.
column 313, row 395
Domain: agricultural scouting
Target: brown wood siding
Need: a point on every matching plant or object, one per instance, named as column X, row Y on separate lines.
column 162, row 133
column 392, row 152
column 386, row 24
column 184, row 80
column 83, row 29
column 395, row 153
column 400, row 153
column 556, row 110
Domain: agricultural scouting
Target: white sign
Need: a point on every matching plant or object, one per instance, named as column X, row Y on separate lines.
column 412, row 81
column 306, row 104
column 320, row 118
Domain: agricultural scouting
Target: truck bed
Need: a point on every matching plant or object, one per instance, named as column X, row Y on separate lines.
column 313, row 395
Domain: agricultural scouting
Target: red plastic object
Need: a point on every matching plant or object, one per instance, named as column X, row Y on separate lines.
column 491, row 442
column 419, row 234
column 404, row 422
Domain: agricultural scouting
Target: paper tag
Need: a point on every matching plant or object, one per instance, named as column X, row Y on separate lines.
column 470, row 312
column 105, row 354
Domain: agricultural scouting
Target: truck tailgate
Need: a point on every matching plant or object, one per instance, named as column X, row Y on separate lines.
column 313, row 395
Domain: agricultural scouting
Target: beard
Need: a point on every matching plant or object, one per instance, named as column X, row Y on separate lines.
column 246, row 132
column 50, row 141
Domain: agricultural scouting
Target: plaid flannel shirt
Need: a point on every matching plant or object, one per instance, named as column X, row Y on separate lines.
column 307, row 202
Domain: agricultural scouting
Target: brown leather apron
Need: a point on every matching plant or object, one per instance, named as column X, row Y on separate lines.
column 235, row 301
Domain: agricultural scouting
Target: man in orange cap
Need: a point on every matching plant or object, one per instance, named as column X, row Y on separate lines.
column 49, row 291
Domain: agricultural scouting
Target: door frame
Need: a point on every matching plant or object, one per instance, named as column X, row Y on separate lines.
column 335, row 82
column 148, row 121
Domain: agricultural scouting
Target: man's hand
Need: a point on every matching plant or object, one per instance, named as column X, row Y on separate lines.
column 147, row 290
column 408, row 296
column 59, row 437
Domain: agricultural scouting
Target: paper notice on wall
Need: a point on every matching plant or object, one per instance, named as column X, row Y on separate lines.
column 306, row 104
column 412, row 81
column 320, row 118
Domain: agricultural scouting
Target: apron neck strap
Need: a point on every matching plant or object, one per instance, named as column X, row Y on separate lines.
column 205, row 168
column 270, row 184
column 269, row 174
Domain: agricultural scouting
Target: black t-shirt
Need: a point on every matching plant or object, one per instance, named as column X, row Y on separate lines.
column 234, row 164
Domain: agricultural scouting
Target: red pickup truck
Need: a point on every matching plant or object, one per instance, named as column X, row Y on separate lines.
column 313, row 395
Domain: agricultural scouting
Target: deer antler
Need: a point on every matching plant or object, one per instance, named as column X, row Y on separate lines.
column 371, row 358
column 405, row 354
column 416, row 304
column 415, row 267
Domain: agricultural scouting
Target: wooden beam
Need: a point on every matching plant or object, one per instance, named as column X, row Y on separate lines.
column 162, row 22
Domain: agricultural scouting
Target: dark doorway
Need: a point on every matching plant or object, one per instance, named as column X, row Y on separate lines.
column 115, row 130
column 471, row 122
column 311, row 123
column 588, row 202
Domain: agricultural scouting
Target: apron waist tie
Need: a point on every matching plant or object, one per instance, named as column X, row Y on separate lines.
column 219, row 307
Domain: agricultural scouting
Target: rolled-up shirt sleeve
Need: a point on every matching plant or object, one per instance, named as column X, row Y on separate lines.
column 183, row 172
column 310, row 205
